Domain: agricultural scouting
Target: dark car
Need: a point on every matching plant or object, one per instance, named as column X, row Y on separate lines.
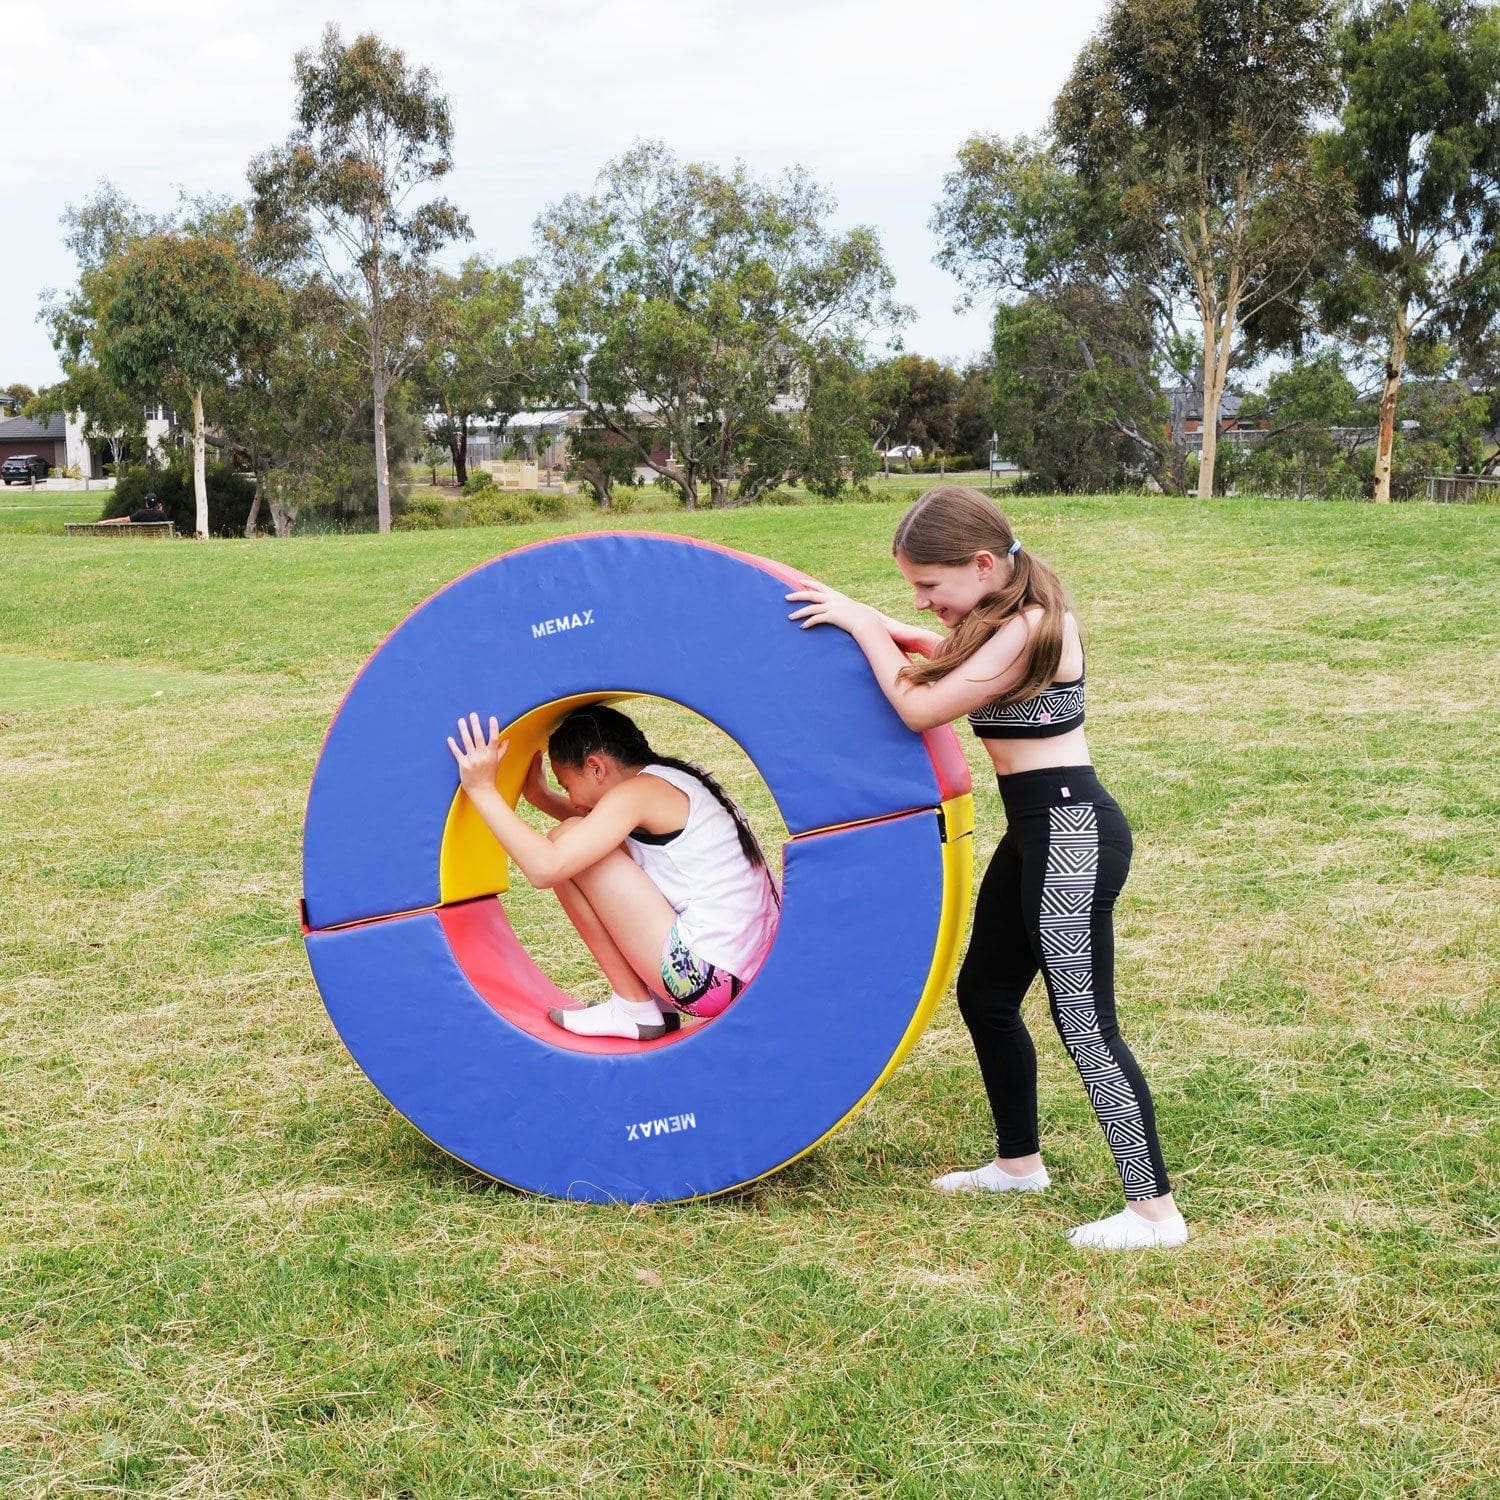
column 24, row 467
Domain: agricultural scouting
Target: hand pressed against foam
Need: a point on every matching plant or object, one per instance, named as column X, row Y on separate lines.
column 826, row 606
column 479, row 759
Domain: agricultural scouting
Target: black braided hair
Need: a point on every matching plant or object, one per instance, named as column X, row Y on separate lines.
column 598, row 730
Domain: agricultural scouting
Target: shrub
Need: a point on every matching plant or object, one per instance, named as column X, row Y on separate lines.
column 424, row 513
column 478, row 481
column 497, row 508
column 229, row 495
column 548, row 503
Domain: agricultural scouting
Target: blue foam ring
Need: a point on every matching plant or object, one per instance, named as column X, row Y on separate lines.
column 761, row 1084
column 658, row 615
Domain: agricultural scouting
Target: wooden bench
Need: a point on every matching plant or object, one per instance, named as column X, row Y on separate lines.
column 143, row 529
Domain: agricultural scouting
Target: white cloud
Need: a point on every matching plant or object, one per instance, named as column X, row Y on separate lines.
column 873, row 95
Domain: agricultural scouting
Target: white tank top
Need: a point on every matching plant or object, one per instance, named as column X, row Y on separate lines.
column 726, row 907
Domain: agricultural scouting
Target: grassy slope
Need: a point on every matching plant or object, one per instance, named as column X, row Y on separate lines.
column 23, row 509
column 228, row 1269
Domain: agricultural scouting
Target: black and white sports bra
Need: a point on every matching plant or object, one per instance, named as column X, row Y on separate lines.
column 1055, row 710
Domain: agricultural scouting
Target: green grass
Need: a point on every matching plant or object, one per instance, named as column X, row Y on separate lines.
column 227, row 1269
column 23, row 509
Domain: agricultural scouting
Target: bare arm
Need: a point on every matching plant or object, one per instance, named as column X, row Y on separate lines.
column 922, row 706
column 544, row 862
column 912, row 637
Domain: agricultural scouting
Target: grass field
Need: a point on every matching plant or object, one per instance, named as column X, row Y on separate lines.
column 226, row 1268
column 23, row 509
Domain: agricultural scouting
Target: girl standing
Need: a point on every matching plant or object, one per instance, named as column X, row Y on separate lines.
column 1013, row 663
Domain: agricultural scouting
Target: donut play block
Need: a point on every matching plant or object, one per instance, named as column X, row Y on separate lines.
column 404, row 887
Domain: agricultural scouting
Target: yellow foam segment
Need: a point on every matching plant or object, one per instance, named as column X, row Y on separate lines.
column 471, row 861
column 958, row 888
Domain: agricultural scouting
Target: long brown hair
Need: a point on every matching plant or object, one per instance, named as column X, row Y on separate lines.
column 948, row 527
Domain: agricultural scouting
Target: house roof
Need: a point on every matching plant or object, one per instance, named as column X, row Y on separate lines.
column 24, row 430
column 1191, row 399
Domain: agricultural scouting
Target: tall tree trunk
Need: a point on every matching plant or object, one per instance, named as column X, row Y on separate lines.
column 283, row 517
column 254, row 516
column 458, row 447
column 200, row 479
column 718, row 491
column 1215, row 379
column 1380, row 490
column 382, row 464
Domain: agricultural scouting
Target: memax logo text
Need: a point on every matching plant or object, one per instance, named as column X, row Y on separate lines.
column 639, row 1130
column 555, row 626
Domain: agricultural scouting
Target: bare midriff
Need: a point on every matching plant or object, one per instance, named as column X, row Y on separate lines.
column 1010, row 756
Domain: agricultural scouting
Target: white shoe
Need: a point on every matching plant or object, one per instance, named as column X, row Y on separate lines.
column 992, row 1178
column 633, row 1020
column 1128, row 1230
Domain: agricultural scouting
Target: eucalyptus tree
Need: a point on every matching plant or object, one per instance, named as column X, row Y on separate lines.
column 702, row 318
column 479, row 359
column 1419, row 138
column 349, row 191
column 181, row 315
column 1086, row 329
column 1193, row 119
column 100, row 228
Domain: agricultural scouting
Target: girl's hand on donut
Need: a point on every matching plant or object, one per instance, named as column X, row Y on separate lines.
column 825, row 606
column 479, row 757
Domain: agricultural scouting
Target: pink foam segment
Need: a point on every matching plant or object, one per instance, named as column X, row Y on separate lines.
column 490, row 954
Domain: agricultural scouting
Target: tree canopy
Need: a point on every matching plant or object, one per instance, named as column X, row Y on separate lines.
column 480, row 356
column 180, row 314
column 372, row 132
column 696, row 315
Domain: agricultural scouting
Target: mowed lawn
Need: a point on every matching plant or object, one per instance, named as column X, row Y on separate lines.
column 227, row 1268
column 44, row 510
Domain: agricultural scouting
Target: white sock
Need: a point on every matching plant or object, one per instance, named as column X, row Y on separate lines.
column 646, row 1011
column 1128, row 1230
column 635, row 1020
column 992, row 1178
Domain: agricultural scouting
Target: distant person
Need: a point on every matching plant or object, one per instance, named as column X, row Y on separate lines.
column 150, row 511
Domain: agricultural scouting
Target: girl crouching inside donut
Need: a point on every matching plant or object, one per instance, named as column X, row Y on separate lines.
column 651, row 860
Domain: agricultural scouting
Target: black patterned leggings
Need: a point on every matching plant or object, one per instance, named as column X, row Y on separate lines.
column 1047, row 903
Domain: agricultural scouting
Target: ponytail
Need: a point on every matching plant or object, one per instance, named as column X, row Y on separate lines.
column 948, row 527
column 606, row 731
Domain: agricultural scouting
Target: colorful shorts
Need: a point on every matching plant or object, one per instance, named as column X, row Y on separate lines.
column 694, row 986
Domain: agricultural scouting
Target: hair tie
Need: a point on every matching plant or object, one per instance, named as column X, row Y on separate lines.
column 1015, row 547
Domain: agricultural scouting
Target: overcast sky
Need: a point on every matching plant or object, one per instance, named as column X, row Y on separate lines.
column 874, row 96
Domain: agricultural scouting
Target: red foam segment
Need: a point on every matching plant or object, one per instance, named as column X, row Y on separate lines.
column 490, row 954
column 948, row 763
